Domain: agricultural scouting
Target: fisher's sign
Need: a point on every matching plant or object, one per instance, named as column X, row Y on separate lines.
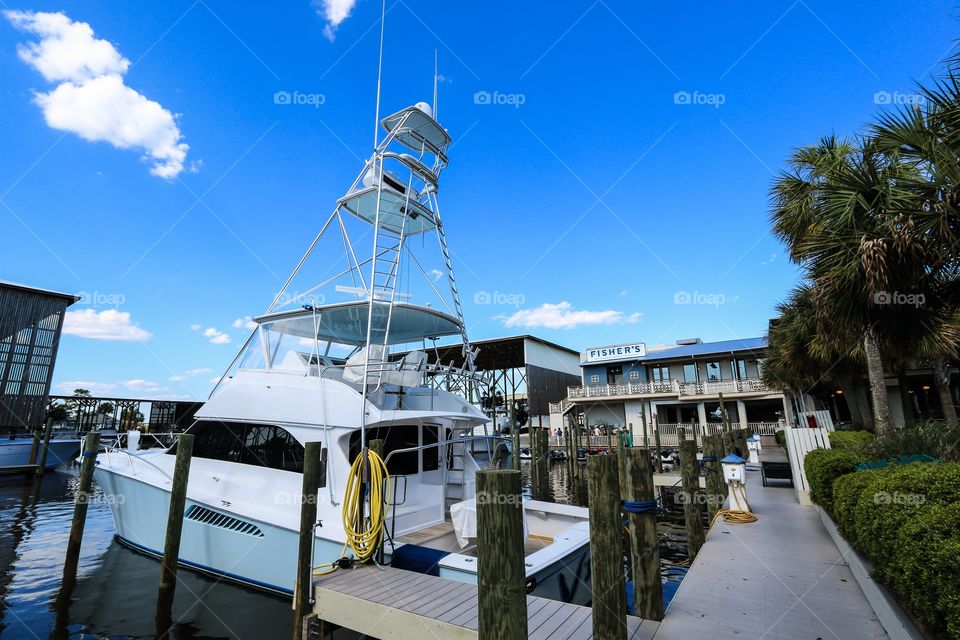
column 616, row 352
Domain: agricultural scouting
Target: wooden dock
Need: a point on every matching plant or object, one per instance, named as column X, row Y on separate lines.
column 383, row 602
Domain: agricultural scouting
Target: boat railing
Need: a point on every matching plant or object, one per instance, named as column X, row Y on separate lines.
column 115, row 448
column 441, row 443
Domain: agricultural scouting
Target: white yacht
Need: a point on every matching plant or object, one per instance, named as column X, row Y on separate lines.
column 345, row 372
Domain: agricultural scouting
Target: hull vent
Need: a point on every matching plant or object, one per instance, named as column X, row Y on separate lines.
column 214, row 519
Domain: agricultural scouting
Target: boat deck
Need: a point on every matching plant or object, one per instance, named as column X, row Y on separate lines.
column 383, row 602
column 442, row 538
column 779, row 577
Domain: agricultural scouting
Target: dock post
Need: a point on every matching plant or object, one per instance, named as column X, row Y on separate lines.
column 163, row 619
column 34, row 447
column 81, row 501
column 501, row 572
column 656, row 442
column 711, row 467
column 606, row 549
column 515, row 436
column 637, row 481
column 690, row 482
column 728, row 446
column 741, row 442
column 302, row 594
column 643, row 421
column 47, row 430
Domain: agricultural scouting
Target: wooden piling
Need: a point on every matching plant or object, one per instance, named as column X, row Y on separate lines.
column 740, row 440
column 48, row 429
column 637, row 486
column 728, row 446
column 501, row 573
column 171, row 545
column 515, row 439
column 80, row 502
column 715, row 490
column 643, row 421
column 302, row 594
column 606, row 549
column 656, row 441
column 690, row 482
column 34, row 447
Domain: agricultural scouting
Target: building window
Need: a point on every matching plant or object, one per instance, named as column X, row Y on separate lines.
column 740, row 369
column 614, row 375
column 634, row 375
column 713, row 371
column 595, row 378
column 690, row 372
column 660, row 374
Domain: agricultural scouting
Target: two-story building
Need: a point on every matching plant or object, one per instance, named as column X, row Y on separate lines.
column 631, row 385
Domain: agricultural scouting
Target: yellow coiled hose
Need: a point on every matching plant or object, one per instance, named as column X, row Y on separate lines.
column 363, row 534
column 742, row 515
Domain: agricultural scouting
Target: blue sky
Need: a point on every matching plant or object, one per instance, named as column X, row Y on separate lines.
column 612, row 188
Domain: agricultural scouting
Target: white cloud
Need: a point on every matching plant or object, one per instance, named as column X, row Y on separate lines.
column 436, row 274
column 216, row 337
column 246, row 322
column 109, row 324
column 189, row 374
column 334, row 12
column 563, row 316
column 92, row 100
column 95, row 388
column 195, row 327
column 214, row 379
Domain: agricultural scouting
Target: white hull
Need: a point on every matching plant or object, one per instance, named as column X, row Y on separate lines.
column 252, row 551
column 16, row 453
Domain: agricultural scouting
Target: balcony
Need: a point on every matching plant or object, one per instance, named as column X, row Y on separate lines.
column 671, row 388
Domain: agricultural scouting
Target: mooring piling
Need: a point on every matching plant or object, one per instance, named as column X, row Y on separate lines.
column 308, row 519
column 606, row 549
column 690, row 483
column 82, row 499
column 640, row 504
column 501, row 573
column 712, row 454
column 34, row 448
column 171, row 545
column 656, row 442
column 728, row 445
column 515, row 437
column 45, row 449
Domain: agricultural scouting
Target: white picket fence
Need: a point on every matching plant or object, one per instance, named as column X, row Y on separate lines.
column 800, row 442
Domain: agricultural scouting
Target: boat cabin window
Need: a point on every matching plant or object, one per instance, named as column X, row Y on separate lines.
column 260, row 445
column 402, row 436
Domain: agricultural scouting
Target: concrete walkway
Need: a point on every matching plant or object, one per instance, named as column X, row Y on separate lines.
column 779, row 578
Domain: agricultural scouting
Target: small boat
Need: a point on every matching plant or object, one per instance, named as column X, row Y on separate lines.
column 15, row 452
column 525, row 454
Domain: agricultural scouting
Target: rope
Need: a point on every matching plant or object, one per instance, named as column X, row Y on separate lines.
column 740, row 515
column 643, row 506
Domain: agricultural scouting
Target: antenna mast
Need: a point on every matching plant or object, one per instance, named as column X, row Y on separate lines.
column 376, row 118
column 435, row 75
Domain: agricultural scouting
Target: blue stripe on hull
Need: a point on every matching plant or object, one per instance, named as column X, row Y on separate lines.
column 207, row 570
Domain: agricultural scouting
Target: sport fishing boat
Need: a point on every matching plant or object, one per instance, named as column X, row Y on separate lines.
column 16, row 451
column 345, row 368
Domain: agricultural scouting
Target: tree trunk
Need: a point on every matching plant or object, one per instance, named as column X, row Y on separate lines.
column 941, row 379
column 905, row 400
column 878, row 384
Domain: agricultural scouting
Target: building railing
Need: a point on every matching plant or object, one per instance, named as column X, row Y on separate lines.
column 671, row 387
column 667, row 432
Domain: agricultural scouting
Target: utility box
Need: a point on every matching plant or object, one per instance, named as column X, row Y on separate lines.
column 734, row 469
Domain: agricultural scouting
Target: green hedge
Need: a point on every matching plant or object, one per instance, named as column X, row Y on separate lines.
column 851, row 440
column 822, row 467
column 906, row 520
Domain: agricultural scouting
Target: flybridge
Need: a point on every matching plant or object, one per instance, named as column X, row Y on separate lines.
column 614, row 352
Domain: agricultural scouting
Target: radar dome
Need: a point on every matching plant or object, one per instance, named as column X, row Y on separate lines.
column 423, row 106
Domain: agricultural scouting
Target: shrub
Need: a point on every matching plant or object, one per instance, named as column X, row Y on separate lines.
column 781, row 438
column 851, row 440
column 935, row 438
column 925, row 571
column 822, row 467
column 847, row 492
column 894, row 499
